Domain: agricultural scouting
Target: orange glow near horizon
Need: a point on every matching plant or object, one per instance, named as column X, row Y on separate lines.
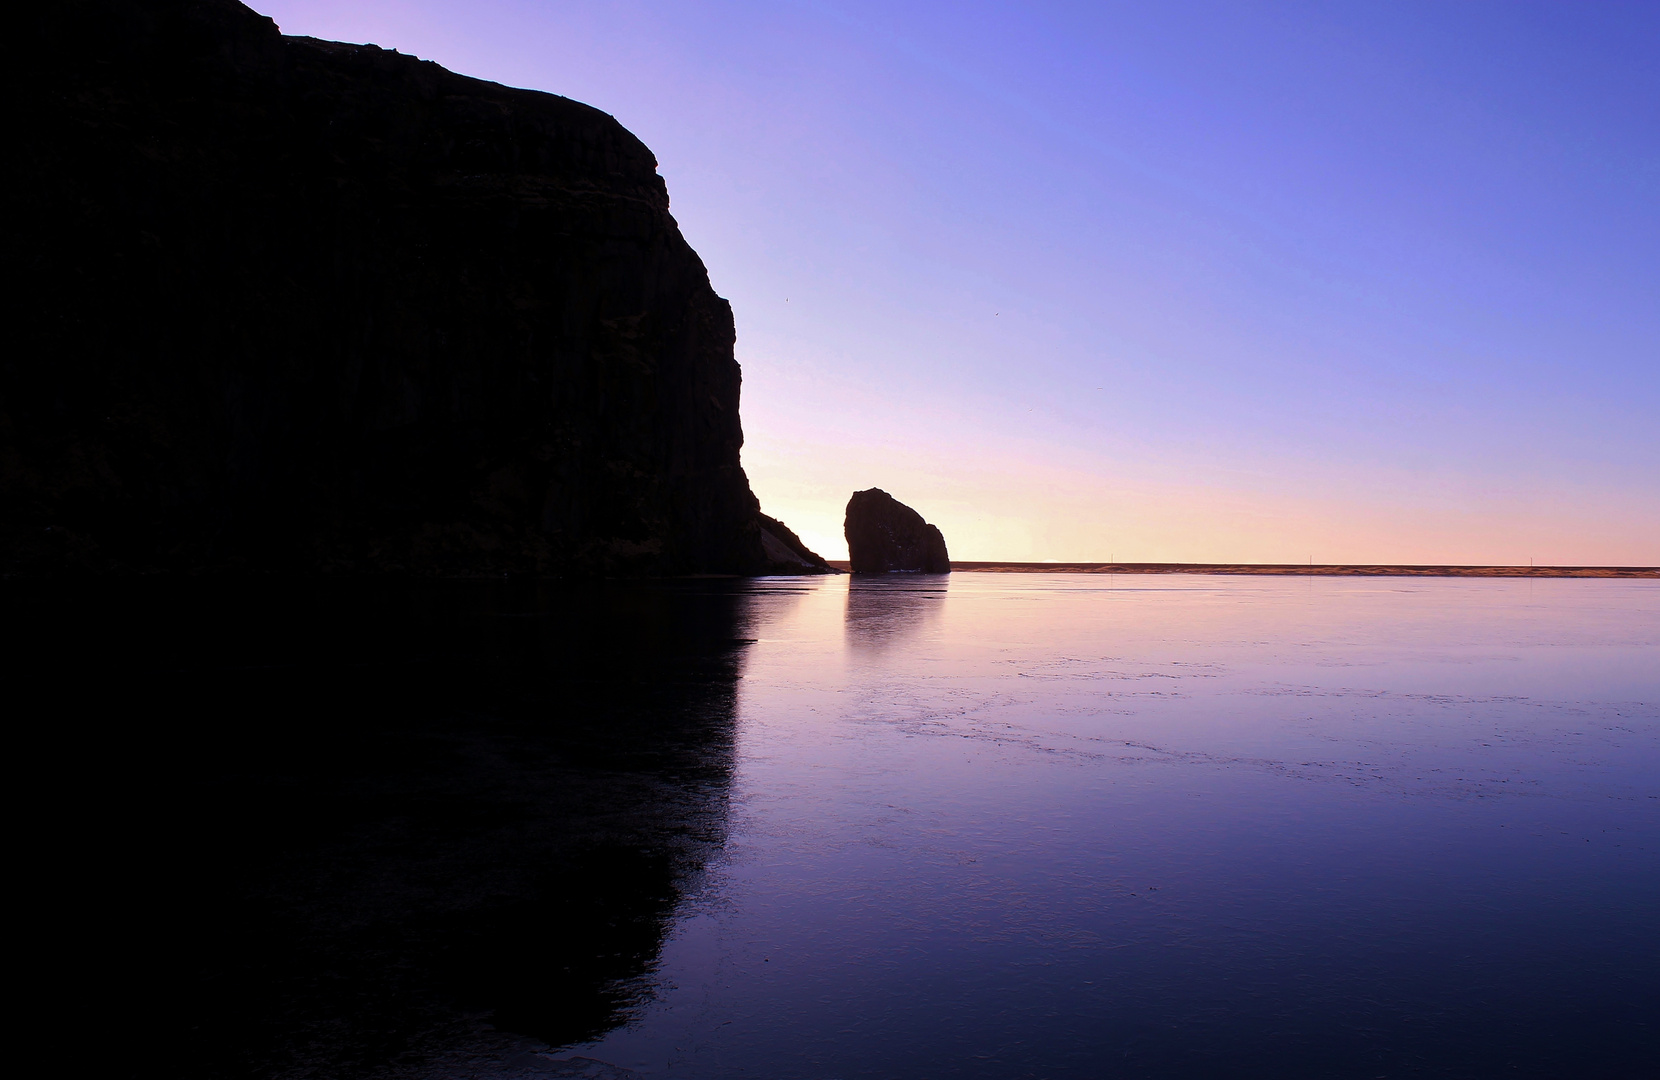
column 1033, row 511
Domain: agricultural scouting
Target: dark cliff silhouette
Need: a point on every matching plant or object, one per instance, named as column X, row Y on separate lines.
column 360, row 827
column 885, row 536
column 289, row 304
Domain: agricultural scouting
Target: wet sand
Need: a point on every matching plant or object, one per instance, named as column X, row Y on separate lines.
column 1307, row 569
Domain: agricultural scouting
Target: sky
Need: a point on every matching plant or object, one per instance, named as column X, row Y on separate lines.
column 1213, row 282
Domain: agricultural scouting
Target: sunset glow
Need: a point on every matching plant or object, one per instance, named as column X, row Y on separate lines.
column 1166, row 282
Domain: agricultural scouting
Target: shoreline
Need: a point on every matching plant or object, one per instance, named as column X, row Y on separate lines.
column 1290, row 569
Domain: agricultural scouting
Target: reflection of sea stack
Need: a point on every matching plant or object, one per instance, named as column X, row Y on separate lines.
column 885, row 536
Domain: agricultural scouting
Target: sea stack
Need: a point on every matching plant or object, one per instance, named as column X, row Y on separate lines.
column 884, row 536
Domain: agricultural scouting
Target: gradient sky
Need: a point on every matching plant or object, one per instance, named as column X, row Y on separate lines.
column 1261, row 282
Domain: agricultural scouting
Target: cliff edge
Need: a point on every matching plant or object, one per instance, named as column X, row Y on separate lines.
column 296, row 305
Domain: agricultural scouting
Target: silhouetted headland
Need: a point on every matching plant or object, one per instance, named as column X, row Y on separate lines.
column 1315, row 569
column 884, row 536
column 293, row 305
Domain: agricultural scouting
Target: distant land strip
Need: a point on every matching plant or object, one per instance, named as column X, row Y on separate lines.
column 1306, row 569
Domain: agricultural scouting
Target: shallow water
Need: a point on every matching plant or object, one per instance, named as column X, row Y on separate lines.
column 982, row 825
column 1028, row 825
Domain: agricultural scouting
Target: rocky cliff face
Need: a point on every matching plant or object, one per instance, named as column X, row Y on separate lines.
column 297, row 305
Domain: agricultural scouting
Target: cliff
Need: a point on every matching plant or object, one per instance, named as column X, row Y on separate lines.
column 296, row 305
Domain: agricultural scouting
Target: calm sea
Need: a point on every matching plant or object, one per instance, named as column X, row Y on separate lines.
column 982, row 825
column 1045, row 825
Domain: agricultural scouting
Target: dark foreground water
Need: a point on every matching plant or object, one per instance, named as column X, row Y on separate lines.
column 979, row 826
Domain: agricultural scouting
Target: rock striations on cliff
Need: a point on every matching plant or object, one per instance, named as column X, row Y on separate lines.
column 884, row 536
column 288, row 304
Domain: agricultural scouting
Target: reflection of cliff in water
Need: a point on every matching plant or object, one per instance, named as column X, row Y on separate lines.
column 337, row 830
column 885, row 609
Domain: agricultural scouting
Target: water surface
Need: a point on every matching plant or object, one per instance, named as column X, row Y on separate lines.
column 1057, row 825
column 983, row 826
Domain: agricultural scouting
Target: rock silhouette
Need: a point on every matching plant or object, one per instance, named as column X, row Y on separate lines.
column 885, row 536
column 289, row 304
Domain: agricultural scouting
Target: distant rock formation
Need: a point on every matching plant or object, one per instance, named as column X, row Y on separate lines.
column 285, row 304
column 885, row 536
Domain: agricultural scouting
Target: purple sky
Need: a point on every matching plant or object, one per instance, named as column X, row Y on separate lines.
column 1175, row 281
